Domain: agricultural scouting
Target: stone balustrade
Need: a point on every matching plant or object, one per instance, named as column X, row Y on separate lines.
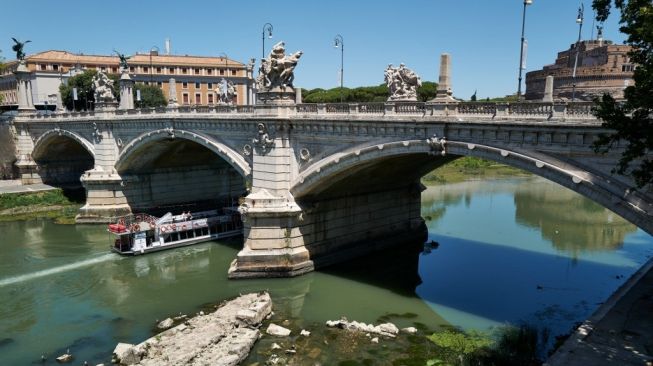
column 464, row 111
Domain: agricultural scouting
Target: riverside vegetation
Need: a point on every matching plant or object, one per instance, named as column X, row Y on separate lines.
column 56, row 204
column 470, row 168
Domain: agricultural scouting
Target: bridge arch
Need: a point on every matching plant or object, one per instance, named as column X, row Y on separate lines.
column 172, row 170
column 62, row 157
column 418, row 158
column 222, row 150
column 42, row 143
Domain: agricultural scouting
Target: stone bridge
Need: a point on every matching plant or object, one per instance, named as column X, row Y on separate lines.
column 322, row 182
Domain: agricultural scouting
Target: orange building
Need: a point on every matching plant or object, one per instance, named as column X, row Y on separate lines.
column 196, row 77
column 602, row 67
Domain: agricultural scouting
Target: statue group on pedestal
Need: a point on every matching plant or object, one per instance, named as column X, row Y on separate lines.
column 402, row 82
column 102, row 88
column 277, row 70
column 226, row 92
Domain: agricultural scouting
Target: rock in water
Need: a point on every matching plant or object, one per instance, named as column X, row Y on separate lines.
column 409, row 330
column 66, row 357
column 220, row 338
column 277, row 330
column 165, row 324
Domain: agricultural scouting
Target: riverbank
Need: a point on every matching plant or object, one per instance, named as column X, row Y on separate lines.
column 471, row 168
column 42, row 201
column 620, row 332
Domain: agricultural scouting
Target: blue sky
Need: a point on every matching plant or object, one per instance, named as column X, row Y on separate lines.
column 482, row 36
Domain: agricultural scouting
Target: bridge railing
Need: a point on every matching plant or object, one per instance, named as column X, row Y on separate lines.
column 462, row 110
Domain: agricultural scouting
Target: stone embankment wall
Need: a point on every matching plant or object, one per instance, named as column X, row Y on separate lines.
column 7, row 152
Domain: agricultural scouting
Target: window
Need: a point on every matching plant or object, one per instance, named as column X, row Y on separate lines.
column 146, row 69
column 233, row 72
column 184, row 98
column 43, row 67
column 184, row 70
column 184, row 85
column 210, row 86
column 171, row 70
column 103, row 69
column 209, row 71
column 210, row 98
column 221, row 72
column 158, row 70
column 131, row 68
column 197, row 71
column 114, row 70
column 55, row 67
column 198, row 98
column 159, row 84
column 197, row 85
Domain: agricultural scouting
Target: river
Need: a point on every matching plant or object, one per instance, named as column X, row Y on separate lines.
column 510, row 251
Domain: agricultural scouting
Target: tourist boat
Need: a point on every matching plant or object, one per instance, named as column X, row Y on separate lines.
column 142, row 233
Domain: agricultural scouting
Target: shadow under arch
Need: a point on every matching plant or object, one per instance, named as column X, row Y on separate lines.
column 234, row 159
column 165, row 170
column 62, row 157
column 409, row 160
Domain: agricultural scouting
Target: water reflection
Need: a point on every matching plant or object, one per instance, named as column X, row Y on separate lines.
column 571, row 222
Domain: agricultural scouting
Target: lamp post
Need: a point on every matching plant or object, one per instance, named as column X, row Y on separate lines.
column 521, row 49
column 338, row 42
column 152, row 50
column 268, row 27
column 579, row 20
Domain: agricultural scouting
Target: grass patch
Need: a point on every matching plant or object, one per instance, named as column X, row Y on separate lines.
column 470, row 168
column 55, row 204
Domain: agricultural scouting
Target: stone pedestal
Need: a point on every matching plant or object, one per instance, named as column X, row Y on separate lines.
column 28, row 170
column 274, row 245
column 276, row 96
column 126, row 91
column 106, row 106
column 104, row 197
column 23, row 77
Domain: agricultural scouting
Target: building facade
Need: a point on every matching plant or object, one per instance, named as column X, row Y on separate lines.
column 196, row 77
column 602, row 67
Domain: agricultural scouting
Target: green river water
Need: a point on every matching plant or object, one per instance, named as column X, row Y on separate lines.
column 511, row 251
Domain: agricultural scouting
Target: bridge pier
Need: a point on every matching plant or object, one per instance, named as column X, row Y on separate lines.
column 104, row 197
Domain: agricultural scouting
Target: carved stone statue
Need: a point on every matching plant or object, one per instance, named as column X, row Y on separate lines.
column 102, row 88
column 18, row 47
column 402, row 83
column 277, row 70
column 226, row 92
column 123, row 60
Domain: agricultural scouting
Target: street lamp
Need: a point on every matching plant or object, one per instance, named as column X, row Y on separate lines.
column 268, row 27
column 521, row 50
column 338, row 42
column 579, row 20
column 152, row 50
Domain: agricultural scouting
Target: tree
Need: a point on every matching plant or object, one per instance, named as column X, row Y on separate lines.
column 473, row 98
column 84, row 84
column 364, row 94
column 631, row 121
column 427, row 91
column 151, row 96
